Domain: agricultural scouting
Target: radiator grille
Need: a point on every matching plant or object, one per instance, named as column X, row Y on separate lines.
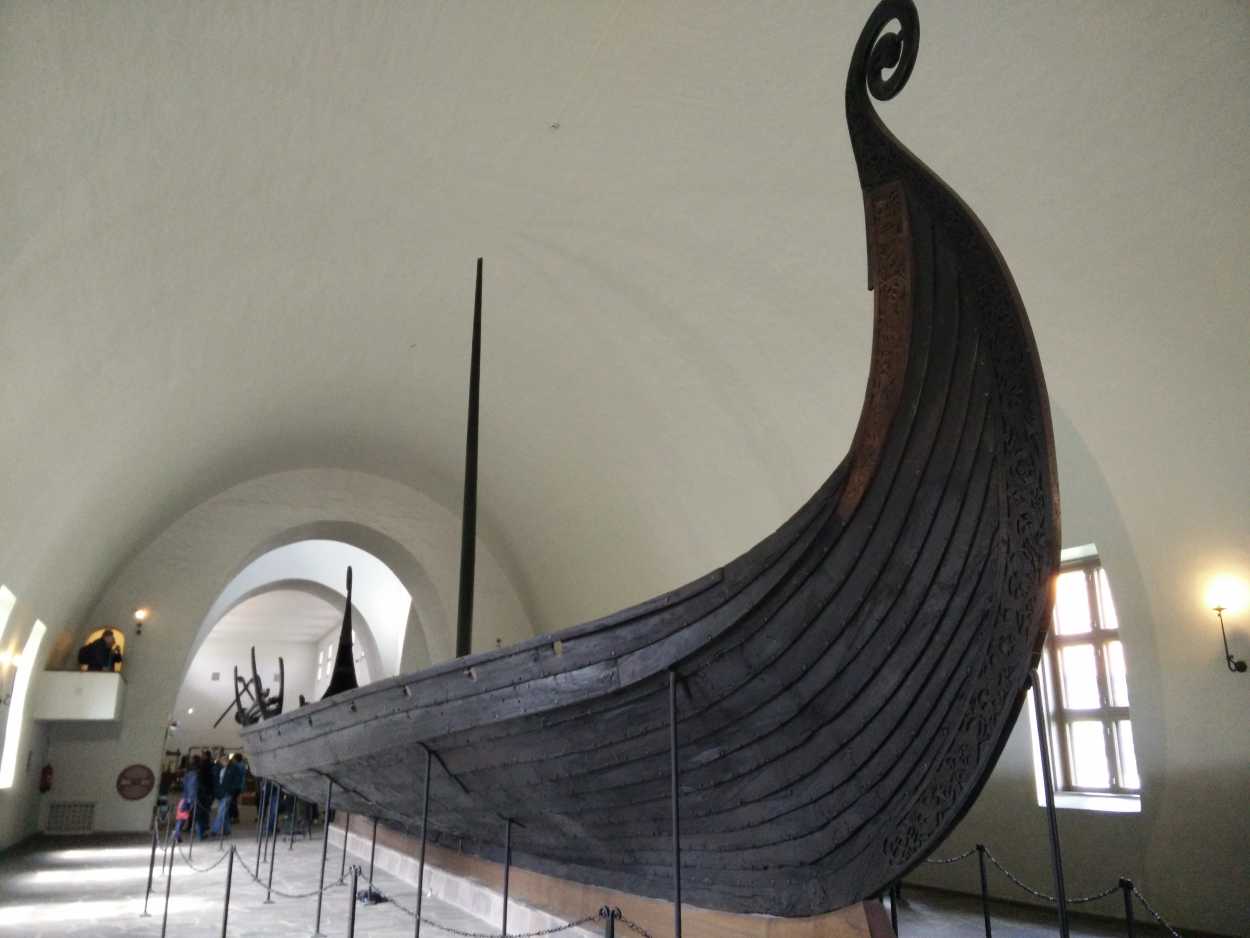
column 71, row 817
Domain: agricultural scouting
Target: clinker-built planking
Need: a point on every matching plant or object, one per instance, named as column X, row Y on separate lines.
column 845, row 687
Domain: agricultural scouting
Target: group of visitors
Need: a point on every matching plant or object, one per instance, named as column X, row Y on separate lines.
column 210, row 795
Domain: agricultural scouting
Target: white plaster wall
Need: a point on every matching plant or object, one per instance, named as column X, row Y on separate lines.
column 377, row 593
column 181, row 572
column 19, row 805
column 209, row 698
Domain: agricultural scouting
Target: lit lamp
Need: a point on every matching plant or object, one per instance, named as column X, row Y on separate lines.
column 141, row 616
column 1228, row 593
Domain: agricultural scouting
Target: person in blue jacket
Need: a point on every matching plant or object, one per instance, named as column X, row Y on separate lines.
column 189, row 810
column 232, row 780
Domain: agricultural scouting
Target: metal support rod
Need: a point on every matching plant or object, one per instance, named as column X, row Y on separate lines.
column 262, row 801
column 168, row 834
column 1052, row 817
column 894, row 908
column 672, row 771
column 191, row 833
column 273, row 857
column 373, row 850
column 351, row 909
column 169, row 885
column 1126, row 887
column 274, row 833
column 347, row 830
column 325, row 847
column 225, row 906
column 507, row 870
column 425, row 823
column 151, row 870
column 468, row 530
column 985, row 890
column 295, row 803
column 609, row 916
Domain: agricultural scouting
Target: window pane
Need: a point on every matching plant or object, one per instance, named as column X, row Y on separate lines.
column 1080, row 677
column 1089, row 755
column 1128, row 756
column 1106, row 607
column 1116, row 673
column 1072, row 604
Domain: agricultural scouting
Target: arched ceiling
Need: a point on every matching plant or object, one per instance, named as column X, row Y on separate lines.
column 239, row 238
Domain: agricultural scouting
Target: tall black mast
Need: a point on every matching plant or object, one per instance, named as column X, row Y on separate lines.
column 344, row 675
column 468, row 533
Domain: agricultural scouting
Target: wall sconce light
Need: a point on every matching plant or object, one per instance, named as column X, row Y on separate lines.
column 141, row 616
column 1228, row 593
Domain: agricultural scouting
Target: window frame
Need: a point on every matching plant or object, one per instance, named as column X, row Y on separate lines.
column 1061, row 717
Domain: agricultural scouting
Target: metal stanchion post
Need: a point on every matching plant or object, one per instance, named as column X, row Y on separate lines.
column 225, row 906
column 985, row 890
column 672, row 770
column 295, row 803
column 894, row 908
column 425, row 823
column 169, row 885
column 507, row 869
column 262, row 794
column 191, row 834
column 325, row 846
column 151, row 870
column 609, row 916
column 347, row 829
column 1126, row 887
column 373, row 849
column 273, row 831
column 1048, row 784
column 351, row 910
column 273, row 861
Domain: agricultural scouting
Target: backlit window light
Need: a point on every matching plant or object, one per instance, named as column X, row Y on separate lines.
column 1086, row 683
column 17, row 707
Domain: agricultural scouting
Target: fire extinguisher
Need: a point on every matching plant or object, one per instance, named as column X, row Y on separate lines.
column 45, row 779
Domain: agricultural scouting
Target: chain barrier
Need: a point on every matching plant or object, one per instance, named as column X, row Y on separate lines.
column 963, row 856
column 255, row 877
column 1111, row 890
column 634, row 926
column 200, row 869
column 1157, row 917
column 554, row 930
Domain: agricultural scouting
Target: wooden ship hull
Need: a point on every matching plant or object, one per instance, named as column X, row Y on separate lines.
column 842, row 690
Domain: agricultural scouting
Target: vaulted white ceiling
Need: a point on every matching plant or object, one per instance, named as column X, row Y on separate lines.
column 238, row 238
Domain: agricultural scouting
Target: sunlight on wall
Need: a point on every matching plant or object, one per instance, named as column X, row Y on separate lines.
column 7, row 602
column 17, row 706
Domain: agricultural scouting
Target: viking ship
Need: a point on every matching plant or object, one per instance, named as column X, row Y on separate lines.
column 825, row 707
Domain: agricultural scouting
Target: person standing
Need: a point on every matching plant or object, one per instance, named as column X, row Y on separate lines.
column 188, row 804
column 100, row 655
column 232, row 779
column 204, row 811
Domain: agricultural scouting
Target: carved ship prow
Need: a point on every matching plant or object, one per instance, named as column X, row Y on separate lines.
column 843, row 689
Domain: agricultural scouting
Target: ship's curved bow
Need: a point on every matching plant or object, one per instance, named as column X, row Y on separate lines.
column 844, row 688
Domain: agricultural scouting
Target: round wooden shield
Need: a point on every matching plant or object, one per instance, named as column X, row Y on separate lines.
column 135, row 782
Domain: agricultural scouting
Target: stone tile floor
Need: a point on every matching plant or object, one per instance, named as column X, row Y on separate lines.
column 932, row 913
column 61, row 887
column 58, row 887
